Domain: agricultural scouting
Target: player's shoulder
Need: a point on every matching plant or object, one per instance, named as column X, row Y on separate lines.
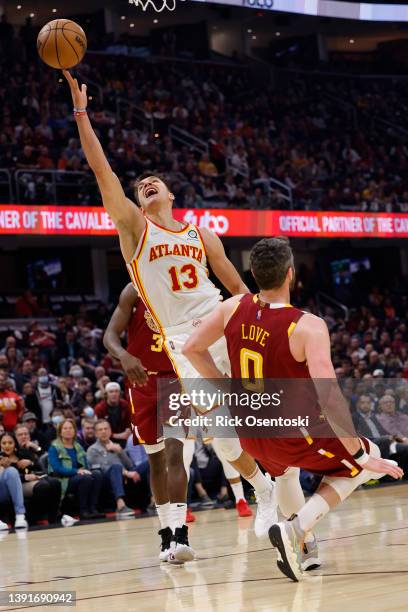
column 311, row 322
column 129, row 295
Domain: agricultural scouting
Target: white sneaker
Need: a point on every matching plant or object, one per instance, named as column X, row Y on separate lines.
column 20, row 522
column 3, row 526
column 180, row 549
column 68, row 521
column 267, row 511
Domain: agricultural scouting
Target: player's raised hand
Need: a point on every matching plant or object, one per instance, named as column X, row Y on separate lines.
column 79, row 96
column 383, row 466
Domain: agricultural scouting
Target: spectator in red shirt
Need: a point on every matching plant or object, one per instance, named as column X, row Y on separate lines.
column 26, row 305
column 116, row 411
column 11, row 404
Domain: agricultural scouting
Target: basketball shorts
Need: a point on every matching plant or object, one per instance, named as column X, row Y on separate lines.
column 323, row 456
column 144, row 413
column 175, row 338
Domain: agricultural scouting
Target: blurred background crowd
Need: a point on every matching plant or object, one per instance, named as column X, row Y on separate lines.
column 223, row 136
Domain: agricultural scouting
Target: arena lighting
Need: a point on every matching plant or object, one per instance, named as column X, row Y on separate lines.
column 277, row 33
column 352, row 41
column 32, row 15
column 19, row 7
column 361, row 11
column 155, row 21
column 123, row 17
column 132, row 25
column 54, row 10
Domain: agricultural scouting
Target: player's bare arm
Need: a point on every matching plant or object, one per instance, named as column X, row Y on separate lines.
column 221, row 265
column 311, row 341
column 206, row 334
column 119, row 322
column 128, row 219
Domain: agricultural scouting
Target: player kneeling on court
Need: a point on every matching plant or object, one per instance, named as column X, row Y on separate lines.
column 291, row 344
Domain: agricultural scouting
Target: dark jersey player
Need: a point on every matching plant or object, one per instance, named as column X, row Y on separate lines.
column 144, row 361
column 289, row 344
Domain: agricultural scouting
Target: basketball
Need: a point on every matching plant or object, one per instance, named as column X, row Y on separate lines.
column 61, row 43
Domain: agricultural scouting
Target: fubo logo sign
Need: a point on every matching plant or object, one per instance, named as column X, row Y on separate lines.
column 219, row 224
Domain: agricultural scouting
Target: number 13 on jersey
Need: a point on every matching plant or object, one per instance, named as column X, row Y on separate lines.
column 184, row 277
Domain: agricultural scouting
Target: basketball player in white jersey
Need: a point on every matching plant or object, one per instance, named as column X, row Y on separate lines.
column 167, row 262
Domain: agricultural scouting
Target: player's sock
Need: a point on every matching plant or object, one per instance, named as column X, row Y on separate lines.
column 237, row 490
column 259, row 481
column 163, row 512
column 315, row 509
column 178, row 514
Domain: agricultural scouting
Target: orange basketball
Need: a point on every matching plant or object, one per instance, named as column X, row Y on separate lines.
column 61, row 43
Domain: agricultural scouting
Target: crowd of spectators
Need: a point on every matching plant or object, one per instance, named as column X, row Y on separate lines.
column 61, row 394
column 316, row 135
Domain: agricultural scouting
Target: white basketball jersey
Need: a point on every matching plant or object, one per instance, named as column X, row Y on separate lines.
column 169, row 270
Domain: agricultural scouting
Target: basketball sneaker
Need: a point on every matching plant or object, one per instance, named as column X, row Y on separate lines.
column 190, row 517
column 267, row 512
column 242, row 508
column 180, row 550
column 310, row 556
column 287, row 537
column 166, row 534
column 3, row 526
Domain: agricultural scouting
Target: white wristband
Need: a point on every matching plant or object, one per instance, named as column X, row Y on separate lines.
column 363, row 459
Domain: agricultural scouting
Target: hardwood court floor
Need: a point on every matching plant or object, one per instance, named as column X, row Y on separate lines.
column 114, row 566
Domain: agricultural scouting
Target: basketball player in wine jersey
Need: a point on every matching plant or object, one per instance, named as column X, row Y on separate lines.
column 144, row 361
column 290, row 344
column 167, row 262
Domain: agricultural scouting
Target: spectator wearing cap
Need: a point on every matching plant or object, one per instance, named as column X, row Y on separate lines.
column 30, row 420
column 67, row 461
column 378, row 373
column 11, row 404
column 393, row 421
column 116, row 411
column 115, row 464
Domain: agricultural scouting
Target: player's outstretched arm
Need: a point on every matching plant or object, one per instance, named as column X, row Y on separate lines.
column 314, row 337
column 119, row 322
column 127, row 218
column 208, row 332
column 221, row 265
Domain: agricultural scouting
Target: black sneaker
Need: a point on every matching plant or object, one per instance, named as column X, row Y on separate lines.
column 180, row 549
column 166, row 535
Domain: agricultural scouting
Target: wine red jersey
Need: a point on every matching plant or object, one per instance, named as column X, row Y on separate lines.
column 146, row 342
column 262, row 329
column 258, row 346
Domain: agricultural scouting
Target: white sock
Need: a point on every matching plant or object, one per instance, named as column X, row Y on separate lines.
column 314, row 510
column 259, row 481
column 237, row 490
column 177, row 515
column 163, row 512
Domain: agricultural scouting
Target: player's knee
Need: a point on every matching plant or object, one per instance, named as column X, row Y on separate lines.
column 289, row 474
column 343, row 486
column 229, row 449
